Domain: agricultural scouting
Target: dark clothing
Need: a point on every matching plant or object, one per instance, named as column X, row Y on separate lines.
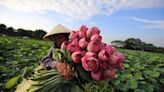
column 48, row 62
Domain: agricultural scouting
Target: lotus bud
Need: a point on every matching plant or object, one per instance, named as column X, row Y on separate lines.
column 93, row 47
column 76, row 56
column 96, row 38
column 110, row 49
column 82, row 32
column 103, row 55
column 64, row 44
column 109, row 74
column 91, row 54
column 83, row 43
column 97, row 75
column 73, row 35
column 102, row 46
column 90, row 63
column 72, row 48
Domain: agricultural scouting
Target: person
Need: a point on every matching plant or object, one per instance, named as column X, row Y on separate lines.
column 57, row 35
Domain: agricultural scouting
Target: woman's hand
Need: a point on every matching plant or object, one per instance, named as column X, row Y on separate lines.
column 65, row 70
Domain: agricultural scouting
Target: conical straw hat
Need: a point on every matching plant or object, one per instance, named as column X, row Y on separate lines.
column 59, row 29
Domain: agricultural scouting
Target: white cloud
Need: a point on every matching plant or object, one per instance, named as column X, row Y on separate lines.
column 80, row 9
column 26, row 21
column 159, row 24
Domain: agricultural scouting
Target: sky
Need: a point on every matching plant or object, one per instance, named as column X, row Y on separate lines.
column 117, row 19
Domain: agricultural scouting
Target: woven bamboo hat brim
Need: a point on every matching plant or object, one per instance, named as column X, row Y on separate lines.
column 59, row 29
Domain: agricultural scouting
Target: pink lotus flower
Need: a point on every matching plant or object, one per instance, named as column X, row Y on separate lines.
column 64, row 44
column 83, row 43
column 93, row 47
column 73, row 35
column 112, row 61
column 90, row 63
column 76, row 56
column 117, row 61
column 90, row 54
column 97, row 75
column 72, row 47
column 95, row 30
column 102, row 45
column 117, row 57
column 120, row 56
column 75, row 42
column 109, row 74
column 102, row 74
column 103, row 55
column 96, row 38
column 83, row 28
column 110, row 49
column 92, row 31
column 82, row 32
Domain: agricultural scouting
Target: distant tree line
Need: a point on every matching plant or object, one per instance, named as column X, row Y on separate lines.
column 137, row 44
column 10, row 31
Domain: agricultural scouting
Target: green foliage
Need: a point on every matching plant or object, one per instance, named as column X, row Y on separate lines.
column 47, row 81
column 143, row 70
column 16, row 54
column 99, row 86
column 12, row 82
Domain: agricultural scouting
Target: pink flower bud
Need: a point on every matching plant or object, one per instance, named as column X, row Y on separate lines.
column 102, row 46
column 81, row 34
column 93, row 47
column 72, row 48
column 96, row 38
column 75, row 42
column 82, row 31
column 92, row 31
column 113, row 60
column 95, row 30
column 120, row 56
column 90, row 63
column 103, row 55
column 83, row 43
column 91, row 54
column 110, row 49
column 64, row 44
column 97, row 75
column 117, row 61
column 76, row 56
column 73, row 35
column 109, row 74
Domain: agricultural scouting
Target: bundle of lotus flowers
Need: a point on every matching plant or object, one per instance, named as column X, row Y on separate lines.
column 99, row 60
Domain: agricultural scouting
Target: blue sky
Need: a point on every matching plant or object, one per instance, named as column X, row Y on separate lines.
column 117, row 19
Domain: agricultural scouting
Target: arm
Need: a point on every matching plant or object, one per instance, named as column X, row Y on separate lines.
column 64, row 69
column 48, row 62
